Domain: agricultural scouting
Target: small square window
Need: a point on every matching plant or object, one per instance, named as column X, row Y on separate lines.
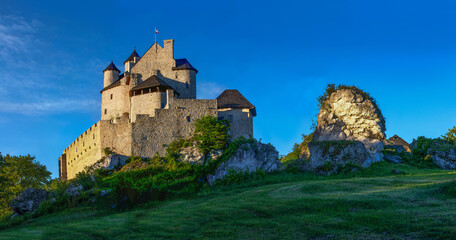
column 188, row 118
column 106, row 111
column 111, row 96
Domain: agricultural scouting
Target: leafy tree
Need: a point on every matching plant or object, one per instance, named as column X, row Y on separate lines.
column 450, row 136
column 211, row 134
column 18, row 173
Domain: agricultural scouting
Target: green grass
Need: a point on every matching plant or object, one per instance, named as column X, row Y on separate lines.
column 370, row 204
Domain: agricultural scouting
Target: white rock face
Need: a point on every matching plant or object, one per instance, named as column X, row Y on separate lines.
column 249, row 158
column 444, row 159
column 194, row 156
column 348, row 114
column 111, row 161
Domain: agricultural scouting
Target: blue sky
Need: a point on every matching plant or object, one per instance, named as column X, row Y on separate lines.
column 280, row 55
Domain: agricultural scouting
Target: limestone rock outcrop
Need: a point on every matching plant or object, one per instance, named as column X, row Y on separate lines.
column 442, row 152
column 445, row 159
column 351, row 115
column 74, row 190
column 248, row 158
column 111, row 161
column 28, row 201
column 192, row 155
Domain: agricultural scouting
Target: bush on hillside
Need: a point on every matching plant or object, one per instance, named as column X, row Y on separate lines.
column 450, row 136
column 297, row 149
column 423, row 149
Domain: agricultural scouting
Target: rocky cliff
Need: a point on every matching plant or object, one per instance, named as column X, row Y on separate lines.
column 348, row 114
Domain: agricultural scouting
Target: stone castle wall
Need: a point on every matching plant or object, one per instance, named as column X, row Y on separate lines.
column 147, row 103
column 241, row 121
column 84, row 151
column 116, row 135
column 149, row 134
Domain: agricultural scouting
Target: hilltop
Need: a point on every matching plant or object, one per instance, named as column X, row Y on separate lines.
column 383, row 201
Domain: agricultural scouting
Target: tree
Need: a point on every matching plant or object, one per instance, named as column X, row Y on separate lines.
column 450, row 135
column 18, row 173
column 211, row 134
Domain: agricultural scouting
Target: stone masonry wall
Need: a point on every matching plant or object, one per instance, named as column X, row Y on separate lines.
column 156, row 58
column 116, row 135
column 149, row 134
column 241, row 122
column 162, row 59
column 147, row 103
column 84, row 151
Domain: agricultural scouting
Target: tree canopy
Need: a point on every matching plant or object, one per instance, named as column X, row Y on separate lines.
column 450, row 135
column 18, row 173
column 211, row 134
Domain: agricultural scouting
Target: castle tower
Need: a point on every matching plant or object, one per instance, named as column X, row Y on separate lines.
column 185, row 74
column 111, row 74
column 131, row 61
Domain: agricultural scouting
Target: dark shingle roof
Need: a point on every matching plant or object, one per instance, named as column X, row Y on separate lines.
column 131, row 58
column 111, row 67
column 398, row 141
column 183, row 64
column 234, row 99
column 114, row 84
column 153, row 81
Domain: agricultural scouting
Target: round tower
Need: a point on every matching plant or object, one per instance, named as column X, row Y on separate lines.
column 111, row 74
column 186, row 74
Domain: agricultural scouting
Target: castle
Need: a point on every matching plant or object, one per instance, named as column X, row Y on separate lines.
column 149, row 105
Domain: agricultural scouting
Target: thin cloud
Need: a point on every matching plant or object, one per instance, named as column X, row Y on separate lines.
column 16, row 35
column 209, row 90
column 48, row 107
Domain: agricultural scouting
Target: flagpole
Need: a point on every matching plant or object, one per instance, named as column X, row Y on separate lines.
column 155, row 32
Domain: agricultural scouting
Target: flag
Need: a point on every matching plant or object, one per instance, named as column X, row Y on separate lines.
column 156, row 31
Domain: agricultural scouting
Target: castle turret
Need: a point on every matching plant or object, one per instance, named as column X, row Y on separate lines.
column 111, row 74
column 185, row 73
column 131, row 61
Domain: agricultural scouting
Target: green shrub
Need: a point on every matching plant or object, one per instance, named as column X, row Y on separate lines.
column 297, row 149
column 107, row 151
column 450, row 136
column 233, row 177
column 86, row 180
column 421, row 155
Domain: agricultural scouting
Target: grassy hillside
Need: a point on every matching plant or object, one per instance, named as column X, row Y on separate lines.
column 373, row 203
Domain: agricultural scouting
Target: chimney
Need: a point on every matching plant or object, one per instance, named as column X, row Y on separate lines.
column 169, row 47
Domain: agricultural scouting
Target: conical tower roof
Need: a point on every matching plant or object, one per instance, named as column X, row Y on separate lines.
column 132, row 56
column 111, row 67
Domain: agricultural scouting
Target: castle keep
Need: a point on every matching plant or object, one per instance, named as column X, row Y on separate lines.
column 149, row 105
